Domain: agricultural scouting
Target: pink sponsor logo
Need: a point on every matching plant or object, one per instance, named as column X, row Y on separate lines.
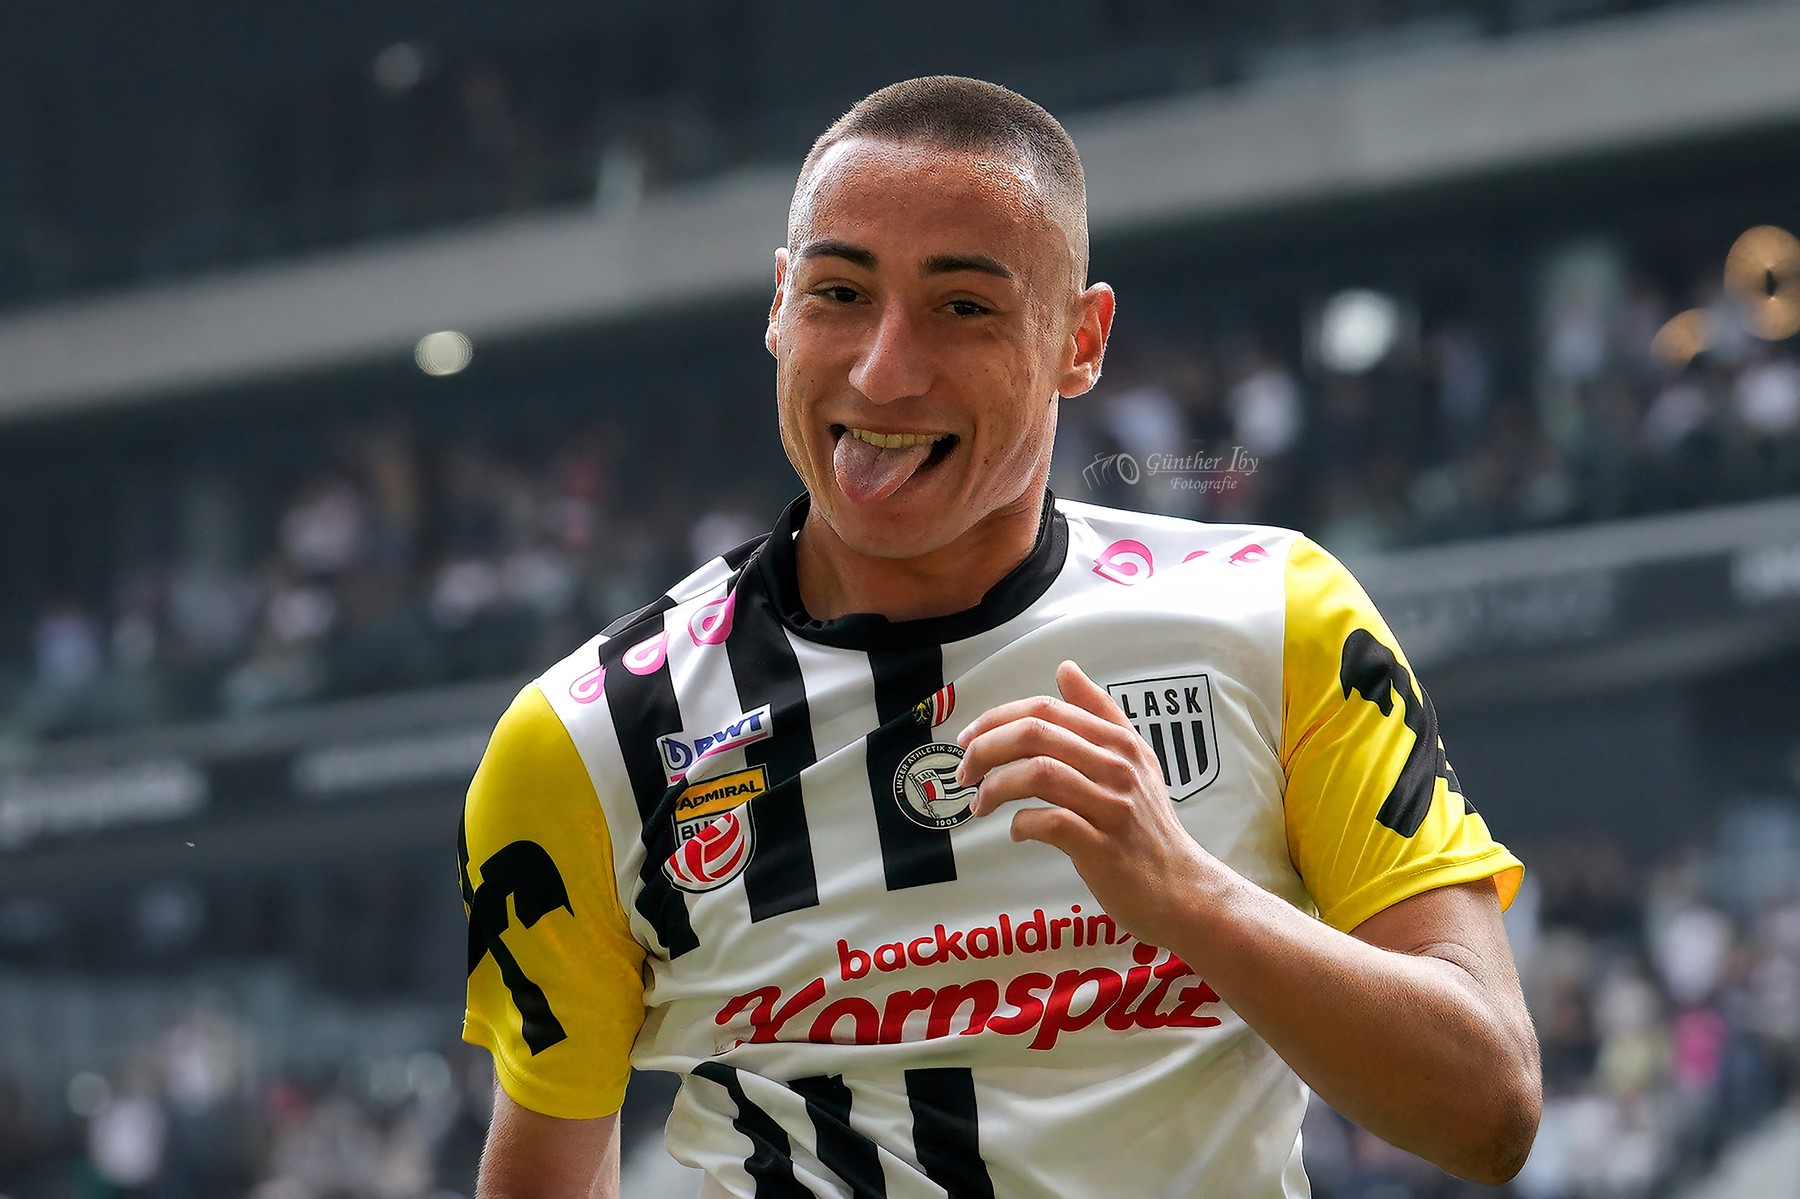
column 1250, row 553
column 646, row 657
column 588, row 688
column 712, row 623
column 1125, row 562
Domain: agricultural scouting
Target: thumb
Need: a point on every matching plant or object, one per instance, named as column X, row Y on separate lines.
column 1078, row 689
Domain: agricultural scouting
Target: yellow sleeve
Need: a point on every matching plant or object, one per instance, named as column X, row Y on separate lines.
column 555, row 978
column 1374, row 813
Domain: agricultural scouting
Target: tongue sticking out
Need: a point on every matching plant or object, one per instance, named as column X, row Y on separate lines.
column 867, row 473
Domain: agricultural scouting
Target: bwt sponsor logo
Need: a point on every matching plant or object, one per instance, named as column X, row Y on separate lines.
column 1158, row 990
column 680, row 751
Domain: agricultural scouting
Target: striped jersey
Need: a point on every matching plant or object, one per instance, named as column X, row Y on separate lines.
column 725, row 839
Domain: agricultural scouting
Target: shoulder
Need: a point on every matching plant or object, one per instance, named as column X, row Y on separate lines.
column 1327, row 608
column 1127, row 545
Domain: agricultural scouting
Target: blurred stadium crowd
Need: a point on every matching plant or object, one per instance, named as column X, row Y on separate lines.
column 1667, row 1002
column 223, row 557
column 425, row 135
column 404, row 559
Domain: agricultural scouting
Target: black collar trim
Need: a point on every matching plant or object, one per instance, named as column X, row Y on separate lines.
column 1021, row 588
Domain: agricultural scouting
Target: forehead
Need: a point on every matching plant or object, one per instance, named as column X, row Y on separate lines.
column 918, row 200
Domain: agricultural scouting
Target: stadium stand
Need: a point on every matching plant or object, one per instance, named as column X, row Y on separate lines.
column 1462, row 287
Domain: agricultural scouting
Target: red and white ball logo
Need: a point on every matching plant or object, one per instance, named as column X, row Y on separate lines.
column 714, row 856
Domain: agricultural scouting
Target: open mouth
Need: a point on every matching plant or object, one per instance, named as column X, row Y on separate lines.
column 872, row 466
column 941, row 443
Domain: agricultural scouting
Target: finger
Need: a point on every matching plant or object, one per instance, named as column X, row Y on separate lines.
column 1036, row 736
column 1057, row 828
column 1078, row 689
column 1056, row 783
column 1083, row 723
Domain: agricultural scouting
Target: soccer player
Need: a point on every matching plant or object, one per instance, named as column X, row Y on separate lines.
column 956, row 840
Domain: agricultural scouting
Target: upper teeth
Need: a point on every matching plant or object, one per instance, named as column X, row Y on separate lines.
column 897, row 441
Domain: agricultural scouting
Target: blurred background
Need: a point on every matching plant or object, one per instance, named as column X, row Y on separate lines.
column 358, row 361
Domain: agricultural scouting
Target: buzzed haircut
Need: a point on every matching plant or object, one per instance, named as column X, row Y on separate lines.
column 951, row 112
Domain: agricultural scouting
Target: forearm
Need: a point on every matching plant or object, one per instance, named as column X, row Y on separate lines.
column 533, row 1156
column 1426, row 1045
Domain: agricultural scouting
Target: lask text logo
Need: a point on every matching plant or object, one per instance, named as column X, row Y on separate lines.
column 1175, row 715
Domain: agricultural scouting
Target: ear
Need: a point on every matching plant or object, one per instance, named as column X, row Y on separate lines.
column 1087, row 342
column 781, row 263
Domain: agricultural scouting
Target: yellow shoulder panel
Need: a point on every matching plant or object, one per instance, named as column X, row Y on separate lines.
column 1374, row 812
column 555, row 977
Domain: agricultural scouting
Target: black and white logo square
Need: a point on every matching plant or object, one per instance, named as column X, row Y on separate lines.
column 1175, row 715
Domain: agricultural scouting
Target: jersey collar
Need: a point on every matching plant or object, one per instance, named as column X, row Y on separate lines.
column 1021, row 588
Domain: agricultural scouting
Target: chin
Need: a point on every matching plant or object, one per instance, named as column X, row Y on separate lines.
column 895, row 533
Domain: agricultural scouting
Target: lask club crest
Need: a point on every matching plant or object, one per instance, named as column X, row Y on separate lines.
column 926, row 789
column 1175, row 715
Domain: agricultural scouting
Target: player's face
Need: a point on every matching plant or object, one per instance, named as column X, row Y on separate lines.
column 926, row 319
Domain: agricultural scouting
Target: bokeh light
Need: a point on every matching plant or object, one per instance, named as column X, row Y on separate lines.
column 1357, row 330
column 1762, row 272
column 443, row 353
column 1682, row 337
column 88, row 1095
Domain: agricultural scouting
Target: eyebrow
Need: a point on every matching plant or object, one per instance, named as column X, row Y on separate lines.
column 937, row 264
column 839, row 249
column 950, row 264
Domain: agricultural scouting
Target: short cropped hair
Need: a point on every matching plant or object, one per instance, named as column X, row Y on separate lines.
column 951, row 112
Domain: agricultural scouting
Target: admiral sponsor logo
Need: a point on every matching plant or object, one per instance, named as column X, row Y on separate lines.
column 680, row 751
column 926, row 789
column 714, row 855
column 936, row 710
column 699, row 805
column 1175, row 715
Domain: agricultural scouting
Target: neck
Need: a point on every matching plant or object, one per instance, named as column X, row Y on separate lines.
column 836, row 580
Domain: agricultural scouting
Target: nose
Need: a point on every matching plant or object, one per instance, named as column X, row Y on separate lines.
column 895, row 362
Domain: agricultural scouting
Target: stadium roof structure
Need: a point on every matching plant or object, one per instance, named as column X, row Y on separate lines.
column 1284, row 143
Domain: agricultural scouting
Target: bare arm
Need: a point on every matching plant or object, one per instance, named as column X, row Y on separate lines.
column 1414, row 1027
column 533, row 1156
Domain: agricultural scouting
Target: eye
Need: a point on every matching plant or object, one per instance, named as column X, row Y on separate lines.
column 966, row 308
column 838, row 293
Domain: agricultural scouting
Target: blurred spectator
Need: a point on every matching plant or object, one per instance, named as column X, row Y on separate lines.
column 325, row 530
column 398, row 562
column 1265, row 408
column 128, row 1137
column 68, row 650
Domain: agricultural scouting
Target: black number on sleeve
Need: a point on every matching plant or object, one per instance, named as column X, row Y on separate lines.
column 1371, row 670
column 525, row 873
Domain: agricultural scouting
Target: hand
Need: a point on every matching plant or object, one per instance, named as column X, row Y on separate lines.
column 1109, row 810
